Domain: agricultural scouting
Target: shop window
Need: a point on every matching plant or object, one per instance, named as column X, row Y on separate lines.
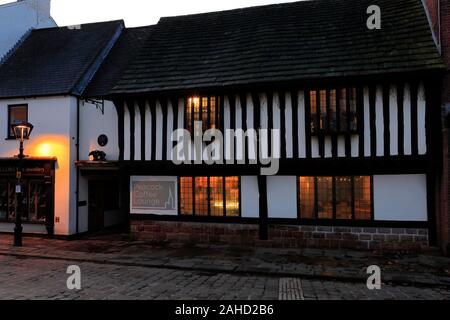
column 16, row 114
column 34, row 201
column 210, row 196
column 340, row 198
column 205, row 109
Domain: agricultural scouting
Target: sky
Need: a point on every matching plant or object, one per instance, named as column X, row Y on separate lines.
column 138, row 12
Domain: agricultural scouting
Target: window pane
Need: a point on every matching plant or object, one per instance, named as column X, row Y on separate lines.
column 201, row 196
column 313, row 106
column 3, row 199
column 333, row 125
column 353, row 115
column 325, row 197
column 213, row 113
column 363, row 198
column 307, row 198
column 205, row 124
column 216, row 196
column 186, row 204
column 343, row 109
column 11, row 201
column 232, row 196
column 17, row 114
column 188, row 113
column 344, row 198
column 323, row 109
column 37, row 203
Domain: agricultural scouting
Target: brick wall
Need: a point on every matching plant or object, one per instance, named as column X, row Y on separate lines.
column 282, row 236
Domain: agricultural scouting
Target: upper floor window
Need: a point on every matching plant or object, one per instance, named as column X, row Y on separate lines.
column 333, row 110
column 16, row 114
column 205, row 109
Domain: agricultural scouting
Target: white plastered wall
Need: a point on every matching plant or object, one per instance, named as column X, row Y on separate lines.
column 54, row 138
column 400, row 197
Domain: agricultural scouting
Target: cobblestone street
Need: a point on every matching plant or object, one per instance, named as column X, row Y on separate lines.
column 30, row 278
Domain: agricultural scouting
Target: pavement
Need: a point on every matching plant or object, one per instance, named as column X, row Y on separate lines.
column 428, row 270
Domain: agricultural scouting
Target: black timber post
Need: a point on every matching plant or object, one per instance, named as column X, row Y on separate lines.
column 263, row 211
column 433, row 125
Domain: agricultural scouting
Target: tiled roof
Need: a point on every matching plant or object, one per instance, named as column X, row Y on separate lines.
column 56, row 61
column 283, row 42
column 125, row 49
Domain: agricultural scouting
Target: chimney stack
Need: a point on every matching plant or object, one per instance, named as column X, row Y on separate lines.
column 42, row 9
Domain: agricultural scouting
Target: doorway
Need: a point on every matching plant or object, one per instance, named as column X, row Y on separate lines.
column 104, row 204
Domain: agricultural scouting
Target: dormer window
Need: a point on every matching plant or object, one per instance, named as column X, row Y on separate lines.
column 333, row 111
column 205, row 109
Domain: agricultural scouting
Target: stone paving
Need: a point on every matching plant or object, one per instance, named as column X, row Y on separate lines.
column 114, row 267
column 349, row 266
column 30, row 278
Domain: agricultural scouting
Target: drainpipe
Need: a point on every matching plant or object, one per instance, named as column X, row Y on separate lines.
column 77, row 191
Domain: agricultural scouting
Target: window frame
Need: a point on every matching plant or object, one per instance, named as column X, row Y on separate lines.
column 209, row 216
column 10, row 136
column 10, row 200
column 328, row 126
column 334, row 218
column 216, row 117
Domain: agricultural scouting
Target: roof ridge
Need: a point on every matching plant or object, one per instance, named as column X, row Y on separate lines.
column 82, row 24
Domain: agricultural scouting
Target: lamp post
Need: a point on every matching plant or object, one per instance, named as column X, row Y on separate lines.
column 22, row 132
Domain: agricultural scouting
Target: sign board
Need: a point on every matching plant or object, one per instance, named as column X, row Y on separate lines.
column 154, row 195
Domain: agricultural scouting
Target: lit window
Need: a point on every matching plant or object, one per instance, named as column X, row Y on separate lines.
column 216, row 195
column 307, row 197
column 201, row 196
column 363, row 198
column 16, row 114
column 325, row 197
column 326, row 107
column 210, row 196
column 342, row 198
column 232, row 196
column 186, row 190
column 205, row 109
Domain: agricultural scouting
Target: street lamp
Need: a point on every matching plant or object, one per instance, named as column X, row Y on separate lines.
column 22, row 132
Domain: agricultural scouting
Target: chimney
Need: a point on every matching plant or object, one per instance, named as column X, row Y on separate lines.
column 18, row 18
column 42, row 9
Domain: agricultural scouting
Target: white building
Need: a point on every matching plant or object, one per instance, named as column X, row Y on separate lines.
column 42, row 81
column 17, row 19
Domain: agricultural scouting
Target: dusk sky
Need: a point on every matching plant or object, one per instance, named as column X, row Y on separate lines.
column 138, row 12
